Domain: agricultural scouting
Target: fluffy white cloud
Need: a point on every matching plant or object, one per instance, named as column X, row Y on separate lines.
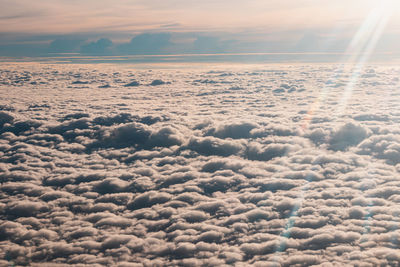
column 224, row 166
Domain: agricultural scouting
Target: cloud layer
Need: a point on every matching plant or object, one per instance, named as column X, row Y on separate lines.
column 257, row 165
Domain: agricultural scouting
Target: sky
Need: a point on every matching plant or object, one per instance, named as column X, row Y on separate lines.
column 126, row 27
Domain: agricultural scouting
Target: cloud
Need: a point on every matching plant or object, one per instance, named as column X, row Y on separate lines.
column 65, row 45
column 139, row 135
column 146, row 43
column 348, row 135
column 132, row 84
column 382, row 146
column 25, row 208
column 99, row 47
column 265, row 153
column 5, row 118
column 208, row 44
column 148, row 199
column 235, row 130
column 192, row 173
column 214, row 146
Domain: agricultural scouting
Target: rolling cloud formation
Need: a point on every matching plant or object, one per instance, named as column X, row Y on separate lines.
column 107, row 165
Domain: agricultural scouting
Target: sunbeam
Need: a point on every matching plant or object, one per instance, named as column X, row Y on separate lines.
column 362, row 46
column 359, row 49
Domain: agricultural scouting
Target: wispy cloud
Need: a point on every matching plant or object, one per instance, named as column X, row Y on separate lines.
column 74, row 16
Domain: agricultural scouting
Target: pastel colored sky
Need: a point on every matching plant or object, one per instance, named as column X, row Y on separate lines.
column 251, row 23
column 69, row 16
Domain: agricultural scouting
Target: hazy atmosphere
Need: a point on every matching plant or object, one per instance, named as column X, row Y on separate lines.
column 135, row 27
column 199, row 133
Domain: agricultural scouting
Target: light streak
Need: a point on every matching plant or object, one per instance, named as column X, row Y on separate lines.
column 360, row 49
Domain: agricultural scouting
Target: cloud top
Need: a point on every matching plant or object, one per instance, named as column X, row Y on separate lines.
column 211, row 166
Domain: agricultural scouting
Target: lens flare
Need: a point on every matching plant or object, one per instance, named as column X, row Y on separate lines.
column 360, row 49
